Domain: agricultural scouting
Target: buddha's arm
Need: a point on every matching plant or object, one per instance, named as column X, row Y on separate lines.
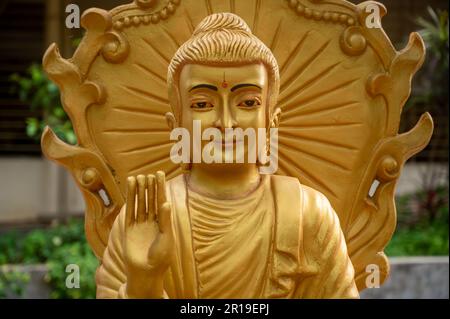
column 324, row 252
column 140, row 243
column 111, row 276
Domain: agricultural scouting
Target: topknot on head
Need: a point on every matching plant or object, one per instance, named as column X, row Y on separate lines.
column 221, row 22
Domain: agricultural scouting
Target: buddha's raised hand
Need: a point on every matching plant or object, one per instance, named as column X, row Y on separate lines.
column 148, row 235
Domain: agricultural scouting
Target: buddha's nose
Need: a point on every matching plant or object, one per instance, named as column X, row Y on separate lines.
column 225, row 120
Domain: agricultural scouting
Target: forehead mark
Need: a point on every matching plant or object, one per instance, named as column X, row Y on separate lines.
column 224, row 83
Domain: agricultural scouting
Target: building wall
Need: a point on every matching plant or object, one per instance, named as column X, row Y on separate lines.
column 35, row 189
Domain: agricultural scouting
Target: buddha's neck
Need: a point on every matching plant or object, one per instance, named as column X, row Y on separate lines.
column 224, row 182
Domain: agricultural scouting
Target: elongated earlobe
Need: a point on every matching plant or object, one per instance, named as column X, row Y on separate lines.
column 171, row 121
column 276, row 117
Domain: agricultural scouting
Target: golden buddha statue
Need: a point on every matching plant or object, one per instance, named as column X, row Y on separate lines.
column 223, row 229
column 231, row 232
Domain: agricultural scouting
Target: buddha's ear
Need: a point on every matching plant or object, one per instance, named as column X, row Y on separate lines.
column 276, row 117
column 171, row 120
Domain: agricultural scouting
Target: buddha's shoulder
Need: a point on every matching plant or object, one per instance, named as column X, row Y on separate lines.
column 310, row 197
column 318, row 214
column 315, row 207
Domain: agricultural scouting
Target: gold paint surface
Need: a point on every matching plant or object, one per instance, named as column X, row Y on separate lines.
column 333, row 87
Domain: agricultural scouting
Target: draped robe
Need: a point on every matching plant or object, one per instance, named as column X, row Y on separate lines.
column 281, row 241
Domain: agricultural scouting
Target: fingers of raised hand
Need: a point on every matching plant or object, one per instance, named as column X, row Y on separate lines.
column 140, row 199
column 131, row 201
column 151, row 194
column 161, row 189
column 141, row 214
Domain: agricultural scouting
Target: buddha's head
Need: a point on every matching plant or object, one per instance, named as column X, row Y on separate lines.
column 224, row 76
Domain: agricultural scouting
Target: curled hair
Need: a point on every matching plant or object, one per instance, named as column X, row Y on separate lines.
column 222, row 39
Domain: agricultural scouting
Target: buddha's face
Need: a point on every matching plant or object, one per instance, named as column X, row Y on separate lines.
column 224, row 97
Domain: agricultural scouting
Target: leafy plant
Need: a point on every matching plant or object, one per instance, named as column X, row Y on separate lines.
column 431, row 94
column 57, row 247
column 435, row 33
column 78, row 254
column 432, row 86
column 43, row 95
column 421, row 240
column 12, row 282
column 419, row 232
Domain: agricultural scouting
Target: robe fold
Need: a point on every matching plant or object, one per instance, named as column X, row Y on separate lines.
column 281, row 241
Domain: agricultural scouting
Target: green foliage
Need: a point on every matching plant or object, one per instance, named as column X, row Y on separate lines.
column 420, row 241
column 43, row 95
column 419, row 234
column 79, row 254
column 435, row 34
column 9, row 253
column 57, row 247
column 12, row 282
column 432, row 86
column 423, row 207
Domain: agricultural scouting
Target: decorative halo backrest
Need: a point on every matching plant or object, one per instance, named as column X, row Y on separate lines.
column 342, row 89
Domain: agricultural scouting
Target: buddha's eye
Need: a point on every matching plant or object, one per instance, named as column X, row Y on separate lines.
column 250, row 103
column 201, row 105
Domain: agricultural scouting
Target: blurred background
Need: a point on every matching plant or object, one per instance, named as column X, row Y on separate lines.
column 41, row 210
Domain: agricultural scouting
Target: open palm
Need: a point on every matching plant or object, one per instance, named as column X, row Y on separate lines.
column 148, row 234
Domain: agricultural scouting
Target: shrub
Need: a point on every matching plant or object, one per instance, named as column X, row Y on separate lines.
column 79, row 254
column 12, row 282
column 57, row 247
column 420, row 236
column 43, row 95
